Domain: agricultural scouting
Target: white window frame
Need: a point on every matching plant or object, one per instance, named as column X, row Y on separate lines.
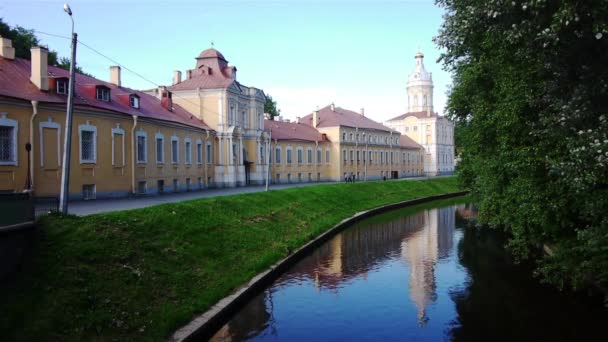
column 188, row 151
column 209, row 153
column 118, row 131
column 175, row 154
column 309, row 157
column 50, row 125
column 87, row 128
column 102, row 90
column 289, row 155
column 134, row 101
column 278, row 156
column 327, row 156
column 64, row 81
column 161, row 137
column 5, row 121
column 145, row 156
column 300, row 155
column 319, row 155
column 199, row 151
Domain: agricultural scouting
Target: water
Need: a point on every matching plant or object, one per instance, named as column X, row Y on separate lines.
column 414, row 275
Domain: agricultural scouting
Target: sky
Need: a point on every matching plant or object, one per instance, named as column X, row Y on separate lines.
column 305, row 54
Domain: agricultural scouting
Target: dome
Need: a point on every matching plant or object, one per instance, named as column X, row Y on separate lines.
column 211, row 53
column 419, row 73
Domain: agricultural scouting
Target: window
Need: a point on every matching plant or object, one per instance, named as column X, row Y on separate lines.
column 358, row 156
column 160, row 185
column 187, row 184
column 141, row 147
column 160, row 142
column 352, row 156
column 188, row 150
column 88, row 143
column 134, row 101
column 343, row 136
column 299, row 156
column 209, row 156
column 8, row 140
column 278, row 155
column 200, row 182
column 174, row 150
column 289, row 157
column 370, row 157
column 62, row 86
column 88, row 191
column 103, row 93
column 199, row 151
column 327, row 156
column 357, row 137
column 319, row 156
column 118, row 146
column 344, row 155
column 309, row 156
column 351, row 137
column 175, row 185
column 141, row 187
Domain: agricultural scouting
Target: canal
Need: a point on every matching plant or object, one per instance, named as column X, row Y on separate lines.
column 415, row 274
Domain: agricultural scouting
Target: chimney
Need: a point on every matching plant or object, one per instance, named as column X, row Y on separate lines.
column 177, row 77
column 297, row 119
column 315, row 118
column 188, row 74
column 6, row 48
column 362, row 111
column 332, row 107
column 115, row 75
column 40, row 75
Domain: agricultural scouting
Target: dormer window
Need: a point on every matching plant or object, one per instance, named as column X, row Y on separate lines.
column 134, row 101
column 62, row 86
column 103, row 93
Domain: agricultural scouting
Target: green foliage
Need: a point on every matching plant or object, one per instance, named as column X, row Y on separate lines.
column 270, row 107
column 530, row 100
column 141, row 274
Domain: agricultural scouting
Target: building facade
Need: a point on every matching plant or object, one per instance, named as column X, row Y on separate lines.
column 207, row 130
column 422, row 124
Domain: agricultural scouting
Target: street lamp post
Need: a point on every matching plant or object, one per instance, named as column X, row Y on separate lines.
column 67, row 145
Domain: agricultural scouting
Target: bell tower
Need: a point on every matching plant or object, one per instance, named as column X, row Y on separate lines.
column 420, row 88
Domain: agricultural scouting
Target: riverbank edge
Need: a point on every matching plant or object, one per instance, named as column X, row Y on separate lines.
column 205, row 325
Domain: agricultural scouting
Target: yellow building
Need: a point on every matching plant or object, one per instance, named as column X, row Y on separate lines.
column 123, row 141
column 207, row 130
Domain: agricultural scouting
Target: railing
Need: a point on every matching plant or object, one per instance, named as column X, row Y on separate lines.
column 45, row 205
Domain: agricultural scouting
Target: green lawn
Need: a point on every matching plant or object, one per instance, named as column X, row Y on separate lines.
column 143, row 273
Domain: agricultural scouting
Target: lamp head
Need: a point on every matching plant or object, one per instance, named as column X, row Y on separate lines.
column 67, row 9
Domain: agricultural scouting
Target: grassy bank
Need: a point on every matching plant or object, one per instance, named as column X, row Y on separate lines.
column 141, row 274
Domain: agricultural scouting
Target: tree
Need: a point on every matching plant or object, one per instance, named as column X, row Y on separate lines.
column 530, row 98
column 270, row 107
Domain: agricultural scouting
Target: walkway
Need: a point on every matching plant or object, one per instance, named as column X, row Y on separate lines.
column 82, row 208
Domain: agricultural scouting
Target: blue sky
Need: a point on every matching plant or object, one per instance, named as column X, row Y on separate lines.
column 303, row 53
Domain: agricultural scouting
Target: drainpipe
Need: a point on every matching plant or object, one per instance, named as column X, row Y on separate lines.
column 34, row 115
column 206, row 159
column 133, row 146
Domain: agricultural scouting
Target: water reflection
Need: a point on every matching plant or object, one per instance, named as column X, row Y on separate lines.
column 410, row 275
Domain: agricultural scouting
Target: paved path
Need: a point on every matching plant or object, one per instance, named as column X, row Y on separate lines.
column 82, row 208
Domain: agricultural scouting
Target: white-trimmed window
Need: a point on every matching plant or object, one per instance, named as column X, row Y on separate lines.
column 160, row 148
column 8, row 140
column 134, row 101
column 199, row 151
column 319, row 156
column 209, row 155
column 118, row 146
column 351, row 137
column 174, row 149
column 309, row 155
column 46, row 133
column 344, row 155
column 352, row 156
column 188, row 150
column 102, row 93
column 344, row 136
column 277, row 158
column 62, row 86
column 88, row 143
column 289, row 155
column 300, row 152
column 327, row 156
column 142, row 148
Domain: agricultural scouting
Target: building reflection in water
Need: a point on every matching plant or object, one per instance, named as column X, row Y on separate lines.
column 420, row 240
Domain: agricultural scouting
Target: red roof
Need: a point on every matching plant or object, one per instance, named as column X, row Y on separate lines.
column 343, row 117
column 211, row 53
column 407, row 142
column 292, row 131
column 15, row 82
column 212, row 81
column 419, row 115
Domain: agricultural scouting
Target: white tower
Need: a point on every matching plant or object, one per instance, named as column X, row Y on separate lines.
column 420, row 88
